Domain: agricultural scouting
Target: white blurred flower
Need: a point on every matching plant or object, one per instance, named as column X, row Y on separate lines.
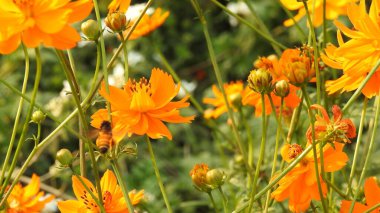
column 190, row 86
column 117, row 77
column 56, row 104
column 239, row 8
column 135, row 57
column 135, row 10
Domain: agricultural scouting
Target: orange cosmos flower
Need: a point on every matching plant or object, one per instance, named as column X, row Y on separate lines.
column 300, row 184
column 28, row 198
column 298, row 65
column 118, row 5
column 334, row 8
column 333, row 130
column 113, row 200
column 147, row 24
column 33, row 22
column 359, row 55
column 371, row 192
column 234, row 92
column 272, row 65
column 142, row 107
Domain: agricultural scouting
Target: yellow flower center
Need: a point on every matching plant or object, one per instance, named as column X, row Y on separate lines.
column 142, row 85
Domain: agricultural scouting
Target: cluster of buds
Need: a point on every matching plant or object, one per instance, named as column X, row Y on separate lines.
column 206, row 180
column 260, row 81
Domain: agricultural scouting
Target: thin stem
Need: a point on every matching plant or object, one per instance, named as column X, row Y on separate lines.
column 18, row 114
column 26, row 123
column 294, row 122
column 279, row 126
column 262, row 152
column 97, row 66
column 220, row 81
column 316, row 54
column 264, row 35
column 276, row 179
column 124, row 188
column 362, row 85
column 157, row 172
column 358, row 143
column 212, row 201
column 369, row 153
column 224, row 199
column 70, row 77
column 336, row 189
column 315, row 155
column 277, row 119
column 250, row 143
column 125, row 54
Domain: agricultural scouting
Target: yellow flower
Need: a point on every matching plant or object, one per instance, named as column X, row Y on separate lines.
column 334, row 8
column 112, row 196
column 142, row 107
column 33, row 22
column 359, row 55
column 147, row 24
column 28, row 198
column 234, row 92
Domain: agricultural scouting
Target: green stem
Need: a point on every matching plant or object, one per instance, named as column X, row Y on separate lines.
column 220, row 82
column 369, row 153
column 362, row 85
column 264, row 35
column 125, row 54
column 124, row 188
column 358, row 143
column 315, row 155
column 26, row 123
column 277, row 119
column 336, row 189
column 97, row 67
column 224, row 199
column 262, row 151
column 71, row 79
column 18, row 115
column 212, row 201
column 294, row 121
column 299, row 29
column 276, row 179
column 250, row 143
column 279, row 126
column 157, row 172
column 316, row 54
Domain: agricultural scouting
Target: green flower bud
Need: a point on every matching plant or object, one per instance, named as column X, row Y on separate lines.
column 38, row 117
column 215, row 178
column 260, row 81
column 90, row 29
column 116, row 21
column 64, row 157
column 281, row 88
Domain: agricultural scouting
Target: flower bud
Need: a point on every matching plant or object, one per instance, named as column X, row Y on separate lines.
column 38, row 117
column 260, row 81
column 281, row 88
column 215, row 178
column 90, row 29
column 64, row 157
column 116, row 21
column 198, row 176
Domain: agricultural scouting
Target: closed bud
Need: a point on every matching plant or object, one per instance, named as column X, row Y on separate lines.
column 38, row 117
column 90, row 29
column 116, row 21
column 281, row 88
column 260, row 81
column 215, row 178
column 64, row 157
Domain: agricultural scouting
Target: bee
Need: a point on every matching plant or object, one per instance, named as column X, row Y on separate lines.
column 104, row 140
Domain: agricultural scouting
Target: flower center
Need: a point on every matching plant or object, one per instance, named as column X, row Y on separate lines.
column 142, row 85
column 88, row 200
